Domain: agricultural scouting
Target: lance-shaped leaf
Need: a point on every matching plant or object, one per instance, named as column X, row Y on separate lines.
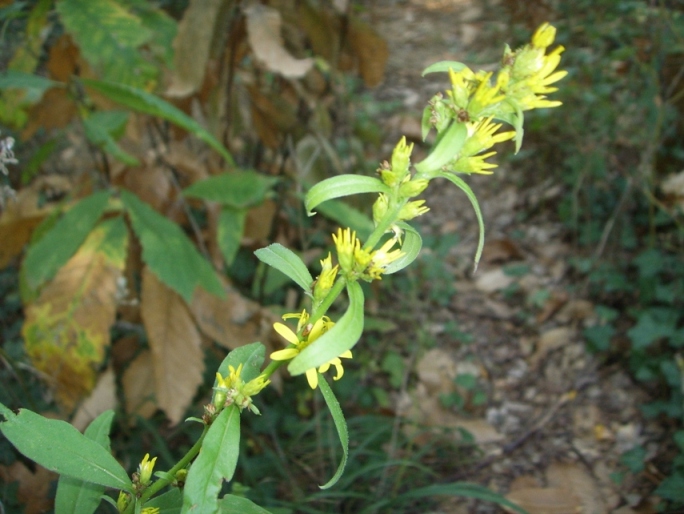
column 238, row 189
column 103, row 128
column 216, row 462
column 447, row 147
column 287, row 262
column 340, row 338
column 411, row 248
column 76, row 495
column 66, row 329
column 342, row 185
column 231, row 504
column 175, row 342
column 59, row 447
column 347, row 216
column 340, row 426
column 168, row 252
column 443, row 66
column 51, row 252
column 229, row 231
column 461, row 184
column 34, row 84
column 168, row 503
column 147, row 103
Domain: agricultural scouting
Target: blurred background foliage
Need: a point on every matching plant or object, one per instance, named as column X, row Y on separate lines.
column 284, row 87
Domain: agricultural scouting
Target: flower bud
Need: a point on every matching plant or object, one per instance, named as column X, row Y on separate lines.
column 326, row 279
column 412, row 210
column 401, row 159
column 380, row 208
column 145, row 469
column 544, row 36
column 413, row 188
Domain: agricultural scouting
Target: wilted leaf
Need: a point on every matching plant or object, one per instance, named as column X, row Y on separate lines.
column 66, row 330
column 263, row 33
column 192, row 45
column 371, row 51
column 138, row 386
column 178, row 360
column 102, row 398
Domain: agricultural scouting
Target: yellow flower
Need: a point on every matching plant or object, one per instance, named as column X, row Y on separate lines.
column 145, row 469
column 544, row 36
column 482, row 136
column 309, row 334
column 382, row 257
column 326, row 279
column 232, row 389
column 413, row 210
column 347, row 245
column 474, row 164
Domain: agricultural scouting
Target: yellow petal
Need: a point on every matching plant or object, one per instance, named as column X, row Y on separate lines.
column 286, row 354
column 286, row 332
column 347, row 354
column 312, row 378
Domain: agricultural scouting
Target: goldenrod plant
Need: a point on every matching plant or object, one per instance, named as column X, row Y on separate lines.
column 467, row 121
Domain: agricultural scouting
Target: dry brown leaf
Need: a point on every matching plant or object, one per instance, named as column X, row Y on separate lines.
column 176, row 346
column 263, row 33
column 500, row 251
column 584, row 487
column 101, row 399
column 437, row 369
column 259, row 222
column 546, row 500
column 322, row 30
column 192, row 46
column 494, row 280
column 150, row 183
column 138, row 386
column 66, row 330
column 551, row 340
column 552, row 305
column 63, row 58
column 55, row 110
column 34, row 488
column 25, row 212
column 371, row 51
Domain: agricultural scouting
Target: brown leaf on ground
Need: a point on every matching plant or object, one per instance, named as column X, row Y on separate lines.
column 371, row 51
column 550, row 341
column 102, row 398
column 34, row 488
column 63, row 58
column 263, row 32
column 175, row 342
column 55, row 110
column 499, row 251
column 139, row 386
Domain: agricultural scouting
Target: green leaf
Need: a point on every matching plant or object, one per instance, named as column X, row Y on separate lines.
column 652, row 325
column 461, row 184
column 231, row 227
column 59, row 447
column 168, row 503
column 102, row 128
column 347, row 216
column 342, row 185
column 340, row 426
column 35, row 85
column 239, row 189
column 251, row 356
column 425, row 123
column 109, row 37
column 446, row 148
column 168, row 252
column 672, row 488
column 231, row 504
column 340, row 338
column 443, row 66
column 216, row 462
column 54, row 249
column 411, row 248
column 147, row 103
column 288, row 263
column 461, row 489
column 76, row 495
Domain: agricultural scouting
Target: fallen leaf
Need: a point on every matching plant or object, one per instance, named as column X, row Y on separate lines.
column 178, row 360
column 546, row 500
column 34, row 488
column 263, row 34
column 192, row 46
column 371, row 51
column 102, row 398
column 437, row 369
column 494, row 280
column 583, row 486
column 499, row 251
column 549, row 341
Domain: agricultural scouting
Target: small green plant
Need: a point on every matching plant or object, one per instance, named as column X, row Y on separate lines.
column 315, row 345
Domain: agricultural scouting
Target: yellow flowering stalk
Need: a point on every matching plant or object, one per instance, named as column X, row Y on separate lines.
column 308, row 334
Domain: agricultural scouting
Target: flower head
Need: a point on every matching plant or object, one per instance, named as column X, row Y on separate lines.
column 232, row 389
column 482, row 136
column 384, row 256
column 145, row 469
column 309, row 334
column 326, row 279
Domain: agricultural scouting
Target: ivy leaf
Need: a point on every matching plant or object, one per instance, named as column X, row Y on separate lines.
column 287, row 262
column 340, row 338
column 342, row 185
column 59, row 447
column 216, row 462
column 340, row 426
column 168, row 252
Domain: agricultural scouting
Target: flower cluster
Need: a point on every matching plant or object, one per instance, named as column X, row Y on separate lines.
column 364, row 264
column 306, row 334
column 232, row 389
column 475, row 99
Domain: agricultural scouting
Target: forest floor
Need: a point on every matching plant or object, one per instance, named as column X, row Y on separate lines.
column 556, row 420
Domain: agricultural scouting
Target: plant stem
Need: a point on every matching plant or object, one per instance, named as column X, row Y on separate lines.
column 383, row 226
